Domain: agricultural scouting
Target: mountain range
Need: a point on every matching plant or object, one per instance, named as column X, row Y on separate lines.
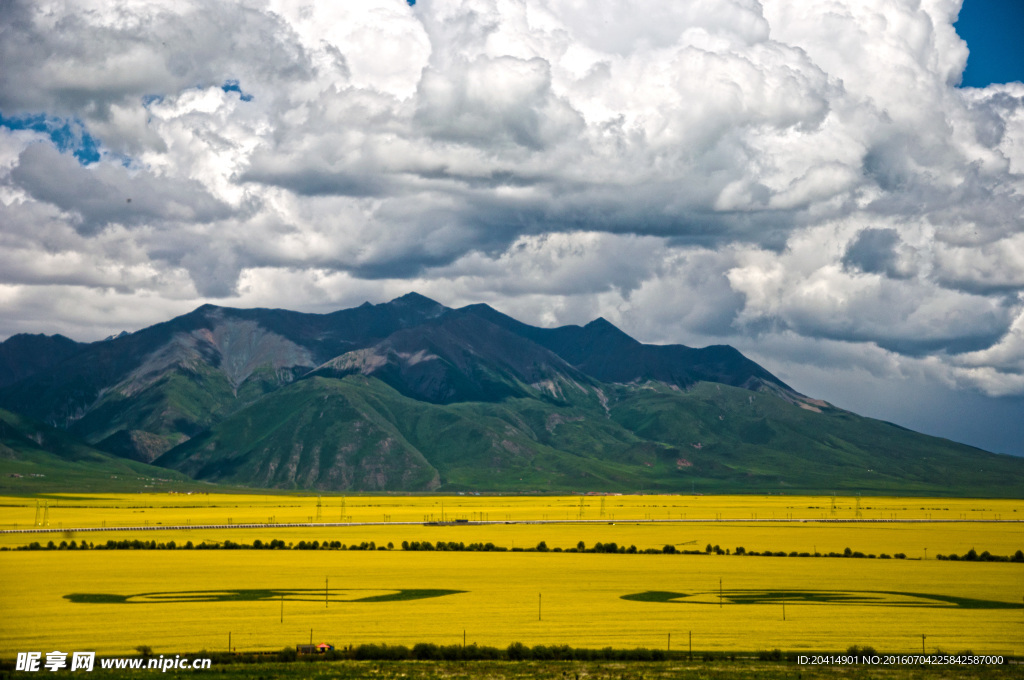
column 411, row 395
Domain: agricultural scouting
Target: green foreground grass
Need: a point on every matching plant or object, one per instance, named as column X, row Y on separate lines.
column 563, row 670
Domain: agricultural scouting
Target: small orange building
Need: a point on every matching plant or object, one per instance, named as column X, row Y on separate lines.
column 321, row 648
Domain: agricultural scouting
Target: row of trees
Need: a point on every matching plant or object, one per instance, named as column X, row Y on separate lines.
column 845, row 553
column 452, row 546
column 972, row 556
column 426, row 651
column 278, row 544
column 516, row 651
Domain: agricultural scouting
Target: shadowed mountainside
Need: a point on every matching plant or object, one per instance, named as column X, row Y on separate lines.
column 36, row 458
column 23, row 355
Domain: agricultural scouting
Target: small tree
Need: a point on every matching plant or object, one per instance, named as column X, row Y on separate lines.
column 517, row 651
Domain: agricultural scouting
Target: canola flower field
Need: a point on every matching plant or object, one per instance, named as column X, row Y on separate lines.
column 112, row 601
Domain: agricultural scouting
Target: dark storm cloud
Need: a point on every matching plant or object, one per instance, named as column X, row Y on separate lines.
column 108, row 194
column 320, row 182
column 99, row 66
column 874, row 252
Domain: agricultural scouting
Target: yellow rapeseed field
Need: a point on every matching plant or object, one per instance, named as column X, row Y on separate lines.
column 185, row 601
column 153, row 509
column 179, row 601
column 913, row 540
column 605, row 519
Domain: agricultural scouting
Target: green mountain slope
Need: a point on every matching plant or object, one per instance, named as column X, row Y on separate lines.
column 358, row 433
column 36, row 457
column 140, row 394
column 143, row 421
column 316, row 434
column 411, row 395
column 785, row 447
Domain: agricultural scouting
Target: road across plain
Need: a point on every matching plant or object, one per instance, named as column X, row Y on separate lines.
column 323, row 525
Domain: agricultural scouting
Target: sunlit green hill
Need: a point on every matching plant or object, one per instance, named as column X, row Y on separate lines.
column 359, row 433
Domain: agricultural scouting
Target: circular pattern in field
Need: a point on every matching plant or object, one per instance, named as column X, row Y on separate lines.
column 871, row 598
column 255, row 595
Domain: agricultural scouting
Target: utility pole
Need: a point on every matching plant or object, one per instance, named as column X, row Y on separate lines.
column 922, row 643
column 282, row 608
column 783, row 610
column 229, row 641
column 669, row 648
column 691, row 645
column 538, row 606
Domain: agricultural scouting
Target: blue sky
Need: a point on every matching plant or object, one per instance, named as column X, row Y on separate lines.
column 66, row 135
column 993, row 30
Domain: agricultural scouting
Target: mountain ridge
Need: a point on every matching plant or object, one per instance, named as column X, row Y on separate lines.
column 598, row 347
column 413, row 395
